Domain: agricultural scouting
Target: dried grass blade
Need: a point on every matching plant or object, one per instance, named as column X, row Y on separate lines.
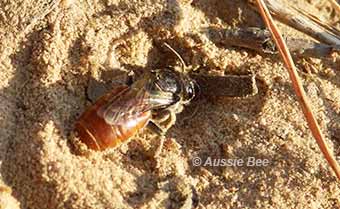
column 301, row 95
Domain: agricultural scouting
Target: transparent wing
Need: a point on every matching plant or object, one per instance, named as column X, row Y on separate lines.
column 133, row 102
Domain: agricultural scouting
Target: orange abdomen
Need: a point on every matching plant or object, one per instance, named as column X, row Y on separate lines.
column 98, row 135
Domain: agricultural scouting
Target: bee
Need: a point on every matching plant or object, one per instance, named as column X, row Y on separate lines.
column 151, row 101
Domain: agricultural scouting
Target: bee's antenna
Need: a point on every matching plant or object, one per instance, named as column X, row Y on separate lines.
column 178, row 56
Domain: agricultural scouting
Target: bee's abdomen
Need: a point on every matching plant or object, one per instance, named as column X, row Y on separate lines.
column 98, row 135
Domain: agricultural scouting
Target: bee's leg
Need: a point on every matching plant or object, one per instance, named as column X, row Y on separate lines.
column 160, row 146
column 163, row 122
column 165, row 118
column 160, row 123
column 171, row 120
column 154, row 127
column 161, row 116
column 157, row 129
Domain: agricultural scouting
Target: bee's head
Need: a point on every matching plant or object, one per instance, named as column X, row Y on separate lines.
column 181, row 86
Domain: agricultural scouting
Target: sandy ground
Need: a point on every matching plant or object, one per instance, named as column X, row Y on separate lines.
column 49, row 53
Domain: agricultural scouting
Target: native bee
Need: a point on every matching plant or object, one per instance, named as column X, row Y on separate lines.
column 153, row 100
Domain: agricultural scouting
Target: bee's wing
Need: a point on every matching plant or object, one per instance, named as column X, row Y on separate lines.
column 131, row 103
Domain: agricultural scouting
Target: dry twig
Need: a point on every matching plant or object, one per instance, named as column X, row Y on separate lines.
column 296, row 82
column 260, row 40
column 304, row 22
